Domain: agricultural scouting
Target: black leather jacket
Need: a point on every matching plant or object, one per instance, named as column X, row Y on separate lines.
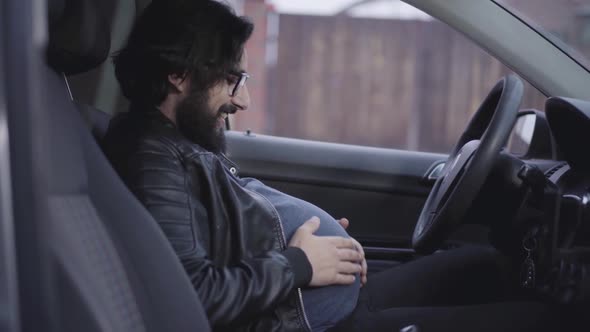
column 229, row 239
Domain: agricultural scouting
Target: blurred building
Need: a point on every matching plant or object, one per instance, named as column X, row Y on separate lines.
column 401, row 83
column 257, row 48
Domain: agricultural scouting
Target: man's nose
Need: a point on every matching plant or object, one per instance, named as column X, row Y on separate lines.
column 242, row 99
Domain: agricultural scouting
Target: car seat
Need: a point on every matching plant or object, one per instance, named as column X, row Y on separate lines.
column 110, row 267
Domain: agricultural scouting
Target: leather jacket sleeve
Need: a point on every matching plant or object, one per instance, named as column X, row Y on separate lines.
column 189, row 196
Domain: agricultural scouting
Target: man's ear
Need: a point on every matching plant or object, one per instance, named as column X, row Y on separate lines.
column 180, row 83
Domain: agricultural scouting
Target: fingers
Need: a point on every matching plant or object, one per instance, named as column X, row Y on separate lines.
column 344, row 279
column 304, row 232
column 364, row 272
column 341, row 242
column 349, row 268
column 311, row 225
column 360, row 249
column 350, row 255
column 344, row 223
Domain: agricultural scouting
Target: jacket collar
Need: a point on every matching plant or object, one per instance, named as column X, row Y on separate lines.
column 156, row 116
column 152, row 113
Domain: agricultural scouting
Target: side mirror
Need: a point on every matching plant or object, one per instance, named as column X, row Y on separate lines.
column 530, row 137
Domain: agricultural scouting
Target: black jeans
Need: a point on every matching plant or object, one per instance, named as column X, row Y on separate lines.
column 457, row 290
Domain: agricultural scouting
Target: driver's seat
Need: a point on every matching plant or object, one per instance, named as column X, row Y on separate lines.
column 112, row 267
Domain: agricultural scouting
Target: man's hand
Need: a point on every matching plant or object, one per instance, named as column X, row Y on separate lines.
column 334, row 259
column 344, row 223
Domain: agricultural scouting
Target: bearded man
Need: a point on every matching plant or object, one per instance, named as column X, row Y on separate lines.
column 259, row 259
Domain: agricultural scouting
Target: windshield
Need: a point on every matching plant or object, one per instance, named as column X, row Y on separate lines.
column 566, row 23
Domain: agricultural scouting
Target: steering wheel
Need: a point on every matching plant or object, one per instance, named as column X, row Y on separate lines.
column 468, row 165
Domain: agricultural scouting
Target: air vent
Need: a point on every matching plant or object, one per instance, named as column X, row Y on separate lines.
column 553, row 170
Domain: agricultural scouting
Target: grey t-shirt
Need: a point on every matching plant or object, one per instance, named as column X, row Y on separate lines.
column 324, row 306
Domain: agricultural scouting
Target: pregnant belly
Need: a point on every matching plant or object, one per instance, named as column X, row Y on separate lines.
column 324, row 306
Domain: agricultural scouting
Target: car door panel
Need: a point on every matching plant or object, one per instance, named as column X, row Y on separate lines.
column 381, row 191
column 325, row 164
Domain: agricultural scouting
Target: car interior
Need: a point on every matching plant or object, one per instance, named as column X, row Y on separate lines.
column 86, row 255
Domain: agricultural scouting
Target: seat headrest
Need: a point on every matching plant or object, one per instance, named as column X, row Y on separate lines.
column 79, row 35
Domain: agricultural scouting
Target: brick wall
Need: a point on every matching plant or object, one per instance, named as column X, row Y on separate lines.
column 256, row 117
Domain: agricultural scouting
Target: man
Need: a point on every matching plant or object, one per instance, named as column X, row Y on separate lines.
column 243, row 261
column 260, row 260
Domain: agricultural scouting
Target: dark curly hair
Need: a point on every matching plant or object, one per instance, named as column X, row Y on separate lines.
column 201, row 39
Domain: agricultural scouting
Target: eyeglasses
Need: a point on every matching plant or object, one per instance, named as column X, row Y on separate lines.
column 235, row 85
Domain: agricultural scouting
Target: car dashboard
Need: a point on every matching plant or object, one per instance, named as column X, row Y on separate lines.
column 569, row 121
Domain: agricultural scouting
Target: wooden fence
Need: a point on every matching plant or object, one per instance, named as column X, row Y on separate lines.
column 390, row 83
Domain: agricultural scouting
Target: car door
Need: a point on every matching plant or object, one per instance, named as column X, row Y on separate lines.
column 381, row 191
column 357, row 114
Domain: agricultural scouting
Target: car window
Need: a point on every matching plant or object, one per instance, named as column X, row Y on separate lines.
column 382, row 74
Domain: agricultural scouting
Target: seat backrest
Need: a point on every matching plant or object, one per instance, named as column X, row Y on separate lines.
column 114, row 268
column 97, row 120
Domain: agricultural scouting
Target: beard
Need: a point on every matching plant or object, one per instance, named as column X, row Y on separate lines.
column 199, row 124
